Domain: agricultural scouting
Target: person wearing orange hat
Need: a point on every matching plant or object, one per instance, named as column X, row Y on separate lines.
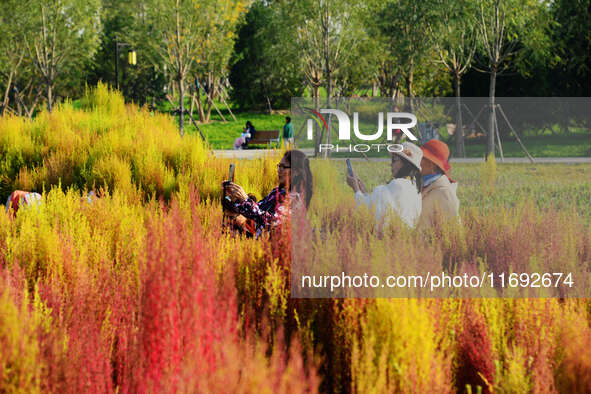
column 439, row 190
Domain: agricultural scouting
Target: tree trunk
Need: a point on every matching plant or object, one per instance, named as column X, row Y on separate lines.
column 19, row 108
column 6, row 92
column 460, row 149
column 564, row 121
column 316, row 107
column 409, row 80
column 200, row 107
column 181, row 106
column 12, row 75
column 192, row 103
column 490, row 140
column 49, row 97
column 210, row 99
column 328, row 81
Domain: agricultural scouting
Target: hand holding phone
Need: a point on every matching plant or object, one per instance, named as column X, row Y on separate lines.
column 349, row 167
column 226, row 199
column 232, row 191
column 231, row 173
column 351, row 178
column 353, row 181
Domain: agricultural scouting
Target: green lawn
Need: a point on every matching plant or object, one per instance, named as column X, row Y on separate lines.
column 574, row 145
column 221, row 135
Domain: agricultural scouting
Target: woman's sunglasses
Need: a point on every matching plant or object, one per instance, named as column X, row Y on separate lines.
column 280, row 166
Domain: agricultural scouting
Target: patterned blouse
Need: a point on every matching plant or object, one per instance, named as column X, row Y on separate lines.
column 266, row 213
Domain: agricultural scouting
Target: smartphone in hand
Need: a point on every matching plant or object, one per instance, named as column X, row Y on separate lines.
column 225, row 197
column 231, row 173
column 349, row 167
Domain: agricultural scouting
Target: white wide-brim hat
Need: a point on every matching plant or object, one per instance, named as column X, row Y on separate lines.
column 411, row 153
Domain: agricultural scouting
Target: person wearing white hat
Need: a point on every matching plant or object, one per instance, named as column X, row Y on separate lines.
column 403, row 194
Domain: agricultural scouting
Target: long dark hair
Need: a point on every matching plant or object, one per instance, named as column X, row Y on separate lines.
column 410, row 170
column 301, row 176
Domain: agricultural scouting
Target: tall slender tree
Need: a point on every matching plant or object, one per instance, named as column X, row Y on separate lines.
column 221, row 19
column 62, row 39
column 329, row 35
column 14, row 26
column 404, row 25
column 509, row 29
column 455, row 40
column 571, row 75
column 265, row 66
column 191, row 36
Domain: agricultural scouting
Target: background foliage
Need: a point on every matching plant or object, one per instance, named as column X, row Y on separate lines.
column 260, row 46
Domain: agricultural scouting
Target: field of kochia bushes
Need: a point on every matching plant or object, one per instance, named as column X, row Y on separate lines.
column 141, row 290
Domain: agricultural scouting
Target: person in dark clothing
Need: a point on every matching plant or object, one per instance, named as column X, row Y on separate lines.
column 247, row 134
column 250, row 129
column 287, row 133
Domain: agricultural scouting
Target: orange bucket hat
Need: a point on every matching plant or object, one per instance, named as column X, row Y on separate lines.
column 437, row 152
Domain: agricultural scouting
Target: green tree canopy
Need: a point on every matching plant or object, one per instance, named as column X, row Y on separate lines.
column 265, row 68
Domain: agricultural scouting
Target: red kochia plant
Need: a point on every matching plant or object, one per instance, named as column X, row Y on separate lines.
column 533, row 327
column 183, row 317
column 573, row 374
column 475, row 358
column 168, row 322
column 74, row 337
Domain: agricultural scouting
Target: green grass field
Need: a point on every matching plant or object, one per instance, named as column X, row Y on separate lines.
column 575, row 145
column 221, row 135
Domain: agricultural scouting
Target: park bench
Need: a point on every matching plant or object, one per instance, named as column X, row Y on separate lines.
column 264, row 137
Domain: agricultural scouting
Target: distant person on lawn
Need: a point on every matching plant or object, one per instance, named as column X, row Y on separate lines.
column 247, row 134
column 287, row 133
column 401, row 195
column 439, row 190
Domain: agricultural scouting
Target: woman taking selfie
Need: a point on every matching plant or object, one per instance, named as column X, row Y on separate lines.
column 402, row 195
column 294, row 191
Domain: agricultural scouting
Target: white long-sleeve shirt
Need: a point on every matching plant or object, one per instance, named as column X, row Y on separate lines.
column 400, row 195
